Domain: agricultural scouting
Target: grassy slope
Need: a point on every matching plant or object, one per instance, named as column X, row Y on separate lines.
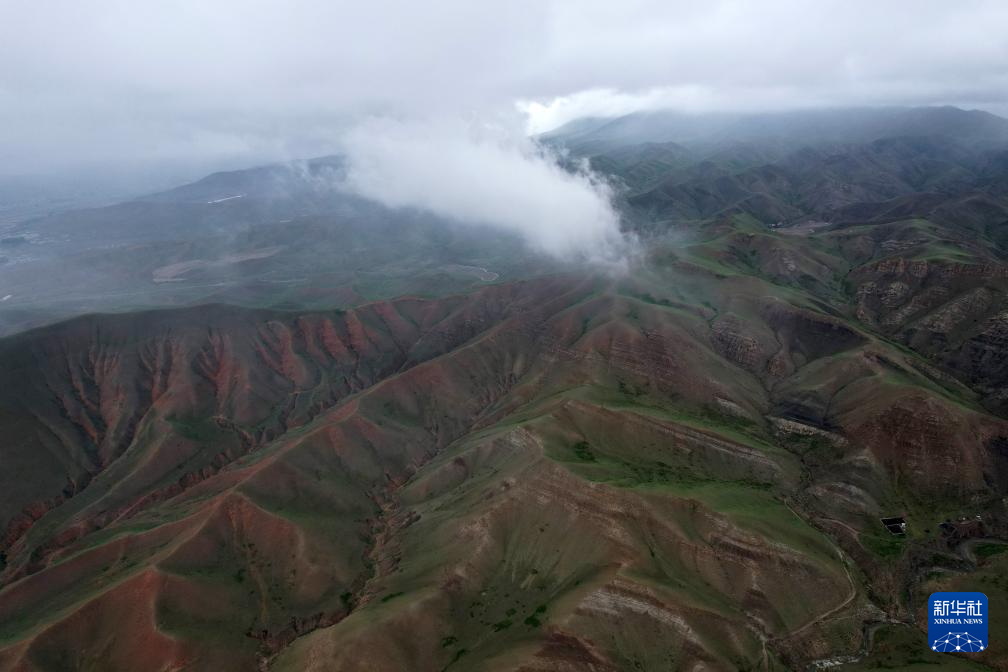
column 492, row 506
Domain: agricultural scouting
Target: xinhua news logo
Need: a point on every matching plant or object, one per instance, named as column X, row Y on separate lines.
column 957, row 622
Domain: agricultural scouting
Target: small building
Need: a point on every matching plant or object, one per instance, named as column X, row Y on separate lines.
column 896, row 525
column 964, row 528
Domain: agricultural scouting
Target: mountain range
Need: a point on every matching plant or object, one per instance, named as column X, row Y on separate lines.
column 257, row 423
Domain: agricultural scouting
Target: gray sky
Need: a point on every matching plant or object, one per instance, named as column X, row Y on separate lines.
column 87, row 80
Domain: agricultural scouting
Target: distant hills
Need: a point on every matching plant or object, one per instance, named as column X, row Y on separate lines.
column 330, row 248
column 295, row 179
column 810, row 127
column 834, row 165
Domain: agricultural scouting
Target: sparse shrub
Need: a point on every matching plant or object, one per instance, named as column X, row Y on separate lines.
column 534, row 620
column 582, row 449
column 989, row 549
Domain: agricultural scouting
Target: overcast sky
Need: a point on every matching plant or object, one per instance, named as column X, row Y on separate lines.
column 84, row 80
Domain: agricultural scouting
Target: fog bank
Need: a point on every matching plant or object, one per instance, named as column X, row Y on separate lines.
column 486, row 174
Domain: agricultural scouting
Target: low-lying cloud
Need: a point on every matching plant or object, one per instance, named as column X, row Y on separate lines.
column 486, row 174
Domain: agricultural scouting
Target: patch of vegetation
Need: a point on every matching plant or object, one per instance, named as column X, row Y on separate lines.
column 882, row 546
column 392, row 596
column 199, row 430
column 647, row 297
column 582, row 449
column 630, row 390
column 502, row 625
column 458, row 656
column 534, row 620
column 987, row 550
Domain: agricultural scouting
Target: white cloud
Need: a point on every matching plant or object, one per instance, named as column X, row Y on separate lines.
column 485, row 174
